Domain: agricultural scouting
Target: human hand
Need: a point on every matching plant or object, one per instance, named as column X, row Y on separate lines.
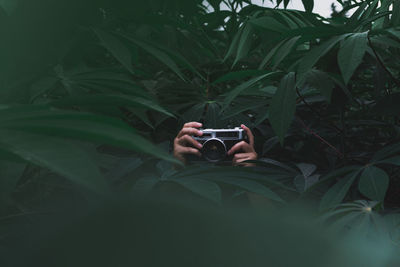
column 246, row 150
column 185, row 144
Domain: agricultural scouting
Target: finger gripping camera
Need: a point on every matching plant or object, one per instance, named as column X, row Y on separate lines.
column 217, row 142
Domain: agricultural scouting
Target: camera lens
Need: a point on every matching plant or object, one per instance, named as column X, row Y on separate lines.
column 214, row 150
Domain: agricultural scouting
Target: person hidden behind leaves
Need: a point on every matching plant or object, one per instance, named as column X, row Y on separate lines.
column 185, row 145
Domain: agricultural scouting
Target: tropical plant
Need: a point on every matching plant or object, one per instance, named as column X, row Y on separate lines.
column 93, row 92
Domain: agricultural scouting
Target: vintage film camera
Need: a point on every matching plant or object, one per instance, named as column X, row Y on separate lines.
column 217, row 142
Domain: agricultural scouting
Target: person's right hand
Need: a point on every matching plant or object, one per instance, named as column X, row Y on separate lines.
column 185, row 144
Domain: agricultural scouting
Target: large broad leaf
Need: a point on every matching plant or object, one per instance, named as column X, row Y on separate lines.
column 157, row 53
column 194, row 113
column 212, row 117
column 284, row 50
column 109, row 100
column 336, row 193
column 104, row 81
column 393, row 161
column 204, row 188
column 283, row 106
column 144, row 185
column 358, row 216
column 386, row 152
column 117, row 48
column 374, row 183
column 318, row 52
column 353, row 21
column 321, row 81
column 234, row 44
column 77, row 125
column 235, row 92
column 238, row 75
column 372, row 8
column 271, row 54
column 246, row 39
column 269, row 24
column 243, row 178
column 57, row 155
column 351, row 54
column 208, row 172
column 333, row 175
column 250, row 186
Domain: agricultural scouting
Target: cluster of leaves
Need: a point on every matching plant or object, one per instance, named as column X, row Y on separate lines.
column 93, row 93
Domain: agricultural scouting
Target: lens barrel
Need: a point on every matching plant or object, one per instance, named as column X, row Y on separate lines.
column 214, row 150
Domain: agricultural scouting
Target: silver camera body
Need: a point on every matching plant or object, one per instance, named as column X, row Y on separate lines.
column 217, row 142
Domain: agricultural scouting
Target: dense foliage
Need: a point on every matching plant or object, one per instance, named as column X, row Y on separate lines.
column 93, row 93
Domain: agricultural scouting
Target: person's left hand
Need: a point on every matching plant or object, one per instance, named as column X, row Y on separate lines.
column 244, row 151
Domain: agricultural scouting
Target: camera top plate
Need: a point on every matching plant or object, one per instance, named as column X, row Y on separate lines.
column 224, row 134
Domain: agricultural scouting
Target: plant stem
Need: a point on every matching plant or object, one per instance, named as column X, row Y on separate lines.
column 382, row 64
column 320, row 138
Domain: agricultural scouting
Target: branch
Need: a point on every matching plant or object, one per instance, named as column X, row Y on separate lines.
column 321, row 139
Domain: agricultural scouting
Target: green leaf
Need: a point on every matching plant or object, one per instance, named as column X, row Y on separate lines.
column 374, row 183
column 116, row 48
column 336, row 193
column 78, row 125
column 109, row 100
column 204, row 188
column 246, row 39
column 393, row 161
column 105, row 81
column 212, row 117
column 145, row 185
column 233, row 176
column 302, row 183
column 250, row 186
column 386, row 152
column 235, row 92
column 351, row 54
column 271, row 53
column 269, row 24
column 194, row 113
column 396, row 13
column 284, row 50
column 238, row 75
column 234, row 44
column 57, row 155
column 320, row 81
column 283, row 106
column 371, row 9
column 157, row 53
column 42, row 86
column 307, row 169
column 318, row 52
column 335, row 174
column 308, row 5
column 354, row 19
